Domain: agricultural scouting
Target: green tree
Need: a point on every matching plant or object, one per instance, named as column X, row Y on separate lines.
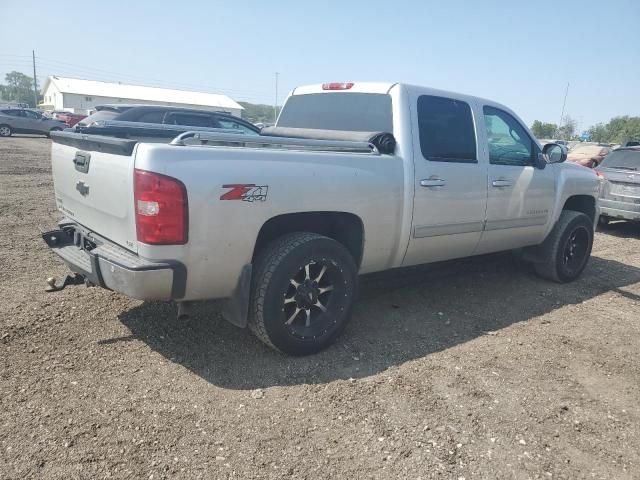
column 567, row 131
column 599, row 133
column 258, row 113
column 18, row 88
column 543, row 130
column 617, row 130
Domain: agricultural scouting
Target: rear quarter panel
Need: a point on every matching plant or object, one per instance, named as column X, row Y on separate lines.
column 222, row 233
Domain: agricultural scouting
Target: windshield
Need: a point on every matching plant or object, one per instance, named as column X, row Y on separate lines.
column 625, row 159
column 358, row 112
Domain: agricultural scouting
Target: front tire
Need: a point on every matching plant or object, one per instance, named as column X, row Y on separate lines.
column 567, row 248
column 303, row 289
column 5, row 131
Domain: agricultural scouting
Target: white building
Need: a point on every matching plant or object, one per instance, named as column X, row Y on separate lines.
column 81, row 96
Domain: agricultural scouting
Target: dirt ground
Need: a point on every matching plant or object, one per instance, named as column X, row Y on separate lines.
column 471, row 369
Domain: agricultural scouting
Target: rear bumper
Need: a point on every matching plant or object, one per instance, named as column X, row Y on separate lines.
column 109, row 266
column 624, row 210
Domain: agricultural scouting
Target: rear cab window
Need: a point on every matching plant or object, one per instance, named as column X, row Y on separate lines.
column 351, row 111
column 446, row 129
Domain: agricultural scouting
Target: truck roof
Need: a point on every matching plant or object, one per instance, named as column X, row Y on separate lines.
column 383, row 87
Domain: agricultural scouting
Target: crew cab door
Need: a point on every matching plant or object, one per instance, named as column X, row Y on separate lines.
column 520, row 196
column 450, row 180
column 35, row 122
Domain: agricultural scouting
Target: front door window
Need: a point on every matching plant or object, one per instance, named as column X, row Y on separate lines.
column 509, row 142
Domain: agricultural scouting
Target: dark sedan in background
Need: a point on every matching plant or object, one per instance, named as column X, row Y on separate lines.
column 166, row 115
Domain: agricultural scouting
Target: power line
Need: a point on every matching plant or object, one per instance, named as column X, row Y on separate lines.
column 35, row 80
column 52, row 64
column 71, row 73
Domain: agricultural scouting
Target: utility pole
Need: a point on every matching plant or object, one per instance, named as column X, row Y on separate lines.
column 35, row 82
column 275, row 106
column 563, row 105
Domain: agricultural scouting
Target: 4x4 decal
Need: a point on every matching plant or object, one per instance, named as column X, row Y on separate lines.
column 247, row 192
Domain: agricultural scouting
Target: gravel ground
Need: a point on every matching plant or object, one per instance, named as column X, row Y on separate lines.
column 471, row 369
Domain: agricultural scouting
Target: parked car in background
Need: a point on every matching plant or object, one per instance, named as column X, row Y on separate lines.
column 588, row 155
column 54, row 113
column 620, row 192
column 70, row 118
column 167, row 115
column 24, row 120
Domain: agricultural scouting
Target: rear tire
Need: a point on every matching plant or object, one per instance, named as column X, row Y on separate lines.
column 303, row 290
column 5, row 131
column 567, row 248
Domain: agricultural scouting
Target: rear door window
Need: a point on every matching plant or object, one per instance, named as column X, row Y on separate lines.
column 14, row 113
column 188, row 119
column 151, row 117
column 447, row 133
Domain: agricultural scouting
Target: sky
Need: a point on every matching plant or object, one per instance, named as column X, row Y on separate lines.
column 519, row 55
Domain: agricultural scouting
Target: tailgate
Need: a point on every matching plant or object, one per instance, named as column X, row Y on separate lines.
column 622, row 186
column 93, row 182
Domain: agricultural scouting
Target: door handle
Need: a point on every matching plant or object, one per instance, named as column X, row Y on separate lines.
column 501, row 183
column 432, row 182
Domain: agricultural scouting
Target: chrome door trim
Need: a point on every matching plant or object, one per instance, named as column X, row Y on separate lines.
column 447, row 229
column 516, row 222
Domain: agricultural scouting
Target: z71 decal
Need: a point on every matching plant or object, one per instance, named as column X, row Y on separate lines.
column 247, row 192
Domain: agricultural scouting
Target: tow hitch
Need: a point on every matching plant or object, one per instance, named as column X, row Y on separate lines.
column 75, row 279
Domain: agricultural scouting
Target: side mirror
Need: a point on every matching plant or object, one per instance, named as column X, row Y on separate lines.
column 554, row 153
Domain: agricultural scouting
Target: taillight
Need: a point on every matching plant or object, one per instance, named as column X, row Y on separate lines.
column 337, row 86
column 162, row 216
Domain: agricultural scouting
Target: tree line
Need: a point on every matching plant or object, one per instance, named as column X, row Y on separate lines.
column 617, row 130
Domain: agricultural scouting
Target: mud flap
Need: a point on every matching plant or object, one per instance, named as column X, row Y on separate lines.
column 235, row 309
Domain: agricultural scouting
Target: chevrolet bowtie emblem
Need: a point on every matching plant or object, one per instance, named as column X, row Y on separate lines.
column 82, row 188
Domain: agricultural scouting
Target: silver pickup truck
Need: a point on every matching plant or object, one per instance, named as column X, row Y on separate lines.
column 354, row 178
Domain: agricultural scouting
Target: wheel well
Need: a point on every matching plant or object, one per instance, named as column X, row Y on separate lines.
column 582, row 203
column 345, row 228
